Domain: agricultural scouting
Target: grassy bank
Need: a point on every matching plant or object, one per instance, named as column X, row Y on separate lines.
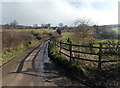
column 11, row 53
column 64, row 63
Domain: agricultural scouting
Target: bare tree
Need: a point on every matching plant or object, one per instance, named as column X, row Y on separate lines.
column 84, row 31
column 60, row 25
column 45, row 25
column 14, row 24
column 66, row 28
column 35, row 26
column 48, row 25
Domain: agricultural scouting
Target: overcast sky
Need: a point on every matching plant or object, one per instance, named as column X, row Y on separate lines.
column 29, row 12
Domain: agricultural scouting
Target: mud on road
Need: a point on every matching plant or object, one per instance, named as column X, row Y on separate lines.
column 34, row 68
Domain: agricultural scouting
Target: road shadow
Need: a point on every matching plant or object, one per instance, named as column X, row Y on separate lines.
column 23, row 60
column 49, row 72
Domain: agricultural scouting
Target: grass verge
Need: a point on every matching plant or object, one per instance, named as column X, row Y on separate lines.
column 64, row 63
column 11, row 53
column 70, row 68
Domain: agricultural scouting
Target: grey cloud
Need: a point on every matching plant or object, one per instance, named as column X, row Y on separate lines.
column 53, row 12
column 29, row 13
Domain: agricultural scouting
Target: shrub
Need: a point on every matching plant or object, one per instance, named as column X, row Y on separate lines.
column 59, row 31
column 11, row 40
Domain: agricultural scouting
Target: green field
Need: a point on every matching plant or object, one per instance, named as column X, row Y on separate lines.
column 66, row 35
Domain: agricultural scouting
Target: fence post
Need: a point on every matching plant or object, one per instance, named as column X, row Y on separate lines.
column 91, row 45
column 60, row 46
column 55, row 43
column 70, row 49
column 100, row 57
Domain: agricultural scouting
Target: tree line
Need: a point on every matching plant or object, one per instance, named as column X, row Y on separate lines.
column 14, row 25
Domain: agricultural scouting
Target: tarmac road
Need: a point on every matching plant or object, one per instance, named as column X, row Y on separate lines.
column 34, row 68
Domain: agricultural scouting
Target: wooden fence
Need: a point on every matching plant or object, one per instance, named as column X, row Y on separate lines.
column 71, row 51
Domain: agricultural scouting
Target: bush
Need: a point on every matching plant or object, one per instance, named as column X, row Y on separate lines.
column 59, row 31
column 11, row 40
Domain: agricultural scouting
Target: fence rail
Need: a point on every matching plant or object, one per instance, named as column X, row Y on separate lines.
column 71, row 51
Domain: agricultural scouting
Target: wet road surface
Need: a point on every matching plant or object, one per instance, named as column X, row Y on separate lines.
column 34, row 68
